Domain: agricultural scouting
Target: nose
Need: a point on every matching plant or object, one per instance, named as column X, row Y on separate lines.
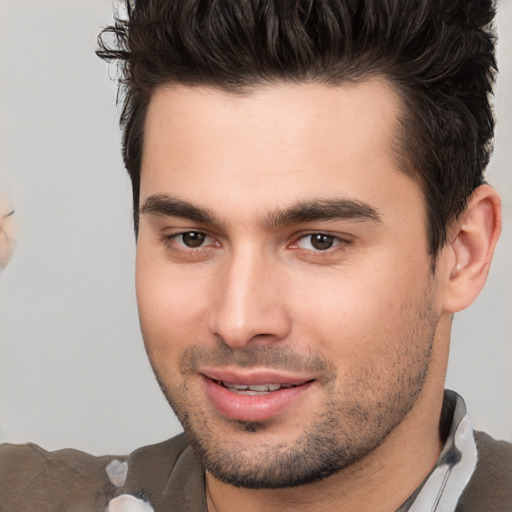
column 251, row 307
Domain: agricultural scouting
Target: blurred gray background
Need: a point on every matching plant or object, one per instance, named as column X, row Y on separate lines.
column 73, row 371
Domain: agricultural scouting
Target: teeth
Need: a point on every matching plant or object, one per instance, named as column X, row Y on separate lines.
column 263, row 387
column 254, row 389
column 235, row 386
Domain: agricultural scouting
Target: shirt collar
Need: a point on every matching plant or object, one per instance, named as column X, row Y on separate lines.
column 441, row 490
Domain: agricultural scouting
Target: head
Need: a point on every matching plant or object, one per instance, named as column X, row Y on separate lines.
column 439, row 57
column 297, row 169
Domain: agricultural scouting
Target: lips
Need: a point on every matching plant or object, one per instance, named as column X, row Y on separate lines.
column 256, row 396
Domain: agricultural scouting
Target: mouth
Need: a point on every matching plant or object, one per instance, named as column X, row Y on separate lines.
column 254, row 396
column 254, row 389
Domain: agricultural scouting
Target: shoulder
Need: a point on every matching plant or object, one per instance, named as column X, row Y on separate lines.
column 153, row 477
column 166, row 476
column 166, row 452
column 149, row 467
column 490, row 487
column 33, row 479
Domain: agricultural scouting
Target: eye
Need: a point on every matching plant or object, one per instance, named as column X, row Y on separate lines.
column 318, row 242
column 191, row 239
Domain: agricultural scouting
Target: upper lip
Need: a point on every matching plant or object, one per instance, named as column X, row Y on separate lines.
column 254, row 376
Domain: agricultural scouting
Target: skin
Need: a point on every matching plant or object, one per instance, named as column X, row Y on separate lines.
column 7, row 230
column 247, row 290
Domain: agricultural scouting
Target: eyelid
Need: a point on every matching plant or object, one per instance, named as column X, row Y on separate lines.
column 173, row 238
column 339, row 241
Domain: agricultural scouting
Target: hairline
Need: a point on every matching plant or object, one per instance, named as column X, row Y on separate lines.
column 398, row 140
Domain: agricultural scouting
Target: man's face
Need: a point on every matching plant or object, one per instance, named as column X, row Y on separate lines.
column 283, row 281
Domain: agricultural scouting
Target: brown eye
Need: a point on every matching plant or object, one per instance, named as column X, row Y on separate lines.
column 193, row 239
column 318, row 242
column 322, row 242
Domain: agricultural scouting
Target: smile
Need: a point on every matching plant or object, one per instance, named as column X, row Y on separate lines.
column 254, row 398
column 255, row 389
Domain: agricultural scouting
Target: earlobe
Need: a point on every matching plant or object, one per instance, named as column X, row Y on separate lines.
column 471, row 247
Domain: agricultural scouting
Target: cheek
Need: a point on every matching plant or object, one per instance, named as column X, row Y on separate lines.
column 357, row 314
column 172, row 306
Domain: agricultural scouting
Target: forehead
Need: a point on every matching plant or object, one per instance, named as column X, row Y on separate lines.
column 274, row 145
column 349, row 115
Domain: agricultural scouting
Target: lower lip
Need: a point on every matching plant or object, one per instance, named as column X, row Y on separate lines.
column 237, row 406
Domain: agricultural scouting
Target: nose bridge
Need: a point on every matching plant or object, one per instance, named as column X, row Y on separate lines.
column 249, row 305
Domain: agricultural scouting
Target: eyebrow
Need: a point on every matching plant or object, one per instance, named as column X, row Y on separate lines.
column 162, row 204
column 324, row 209
column 300, row 213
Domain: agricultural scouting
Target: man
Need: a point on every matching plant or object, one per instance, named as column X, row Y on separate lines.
column 310, row 212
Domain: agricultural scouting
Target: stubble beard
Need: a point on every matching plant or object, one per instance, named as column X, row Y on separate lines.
column 355, row 419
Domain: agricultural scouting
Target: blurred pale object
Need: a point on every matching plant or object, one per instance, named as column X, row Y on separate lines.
column 7, row 230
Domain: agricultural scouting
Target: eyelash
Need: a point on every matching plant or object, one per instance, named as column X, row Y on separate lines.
column 338, row 243
column 173, row 240
column 332, row 241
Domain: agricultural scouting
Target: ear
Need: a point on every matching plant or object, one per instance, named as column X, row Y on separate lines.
column 470, row 249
